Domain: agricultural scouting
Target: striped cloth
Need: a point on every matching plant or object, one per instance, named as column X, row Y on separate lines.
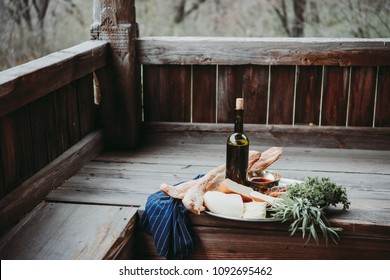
column 165, row 219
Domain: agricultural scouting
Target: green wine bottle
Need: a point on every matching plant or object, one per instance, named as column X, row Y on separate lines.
column 237, row 148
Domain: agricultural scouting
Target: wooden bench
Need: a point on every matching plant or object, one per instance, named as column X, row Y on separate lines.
column 57, row 113
column 75, row 174
column 49, row 129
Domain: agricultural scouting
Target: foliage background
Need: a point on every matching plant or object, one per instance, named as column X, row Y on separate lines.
column 66, row 22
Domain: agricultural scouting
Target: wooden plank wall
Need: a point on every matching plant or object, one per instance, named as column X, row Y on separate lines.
column 35, row 134
column 47, row 106
column 327, row 83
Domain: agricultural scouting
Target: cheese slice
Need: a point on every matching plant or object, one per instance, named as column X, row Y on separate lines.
column 255, row 210
column 230, row 205
column 229, row 186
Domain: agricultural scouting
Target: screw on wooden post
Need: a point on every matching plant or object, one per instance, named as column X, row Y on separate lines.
column 114, row 21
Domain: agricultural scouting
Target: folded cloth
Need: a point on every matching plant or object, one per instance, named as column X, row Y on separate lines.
column 165, row 219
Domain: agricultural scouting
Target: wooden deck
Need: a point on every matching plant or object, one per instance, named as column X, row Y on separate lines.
column 124, row 180
column 127, row 178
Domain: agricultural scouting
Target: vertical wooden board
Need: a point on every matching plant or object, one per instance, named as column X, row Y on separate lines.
column 167, row 93
column 204, row 93
column 62, row 118
column 16, row 148
column 86, row 104
column 281, row 101
column 8, row 154
column 1, row 172
column 152, row 95
column 382, row 113
column 38, row 127
column 308, row 95
column 362, row 96
column 24, row 147
column 73, row 115
column 53, row 148
column 255, row 88
column 335, row 96
column 230, row 87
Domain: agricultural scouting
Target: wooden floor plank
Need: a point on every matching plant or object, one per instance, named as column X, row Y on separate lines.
column 70, row 231
column 128, row 178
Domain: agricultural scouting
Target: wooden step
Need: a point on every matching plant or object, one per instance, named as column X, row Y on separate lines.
column 68, row 231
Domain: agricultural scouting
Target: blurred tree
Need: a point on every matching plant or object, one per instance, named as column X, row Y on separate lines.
column 181, row 12
column 25, row 26
column 297, row 28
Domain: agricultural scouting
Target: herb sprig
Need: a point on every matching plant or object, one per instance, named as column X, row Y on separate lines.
column 304, row 204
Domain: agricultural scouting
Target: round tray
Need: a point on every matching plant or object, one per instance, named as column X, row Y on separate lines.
column 242, row 219
column 282, row 182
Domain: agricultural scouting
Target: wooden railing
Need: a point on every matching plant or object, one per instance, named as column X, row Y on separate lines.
column 46, row 107
column 322, row 82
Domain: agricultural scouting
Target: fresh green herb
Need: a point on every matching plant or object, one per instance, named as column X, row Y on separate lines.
column 320, row 192
column 304, row 204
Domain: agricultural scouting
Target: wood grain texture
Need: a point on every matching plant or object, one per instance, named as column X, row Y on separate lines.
column 167, row 93
column 31, row 192
column 335, row 96
column 57, row 231
column 25, row 83
column 255, row 88
column 1, row 177
column 281, row 104
column 204, row 93
column 114, row 21
column 39, row 116
column 362, row 96
column 382, row 113
column 86, row 106
column 72, row 108
column 247, row 81
column 377, row 138
column 308, row 95
column 264, row 51
column 230, row 87
column 16, row 148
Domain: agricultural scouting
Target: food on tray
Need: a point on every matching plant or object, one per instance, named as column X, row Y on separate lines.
column 267, row 158
column 192, row 192
column 229, row 186
column 260, row 197
column 230, row 205
column 255, row 210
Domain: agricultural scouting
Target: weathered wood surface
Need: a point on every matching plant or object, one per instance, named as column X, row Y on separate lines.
column 32, row 191
column 377, row 138
column 319, row 95
column 216, row 238
column 265, row 51
column 25, row 83
column 65, row 231
column 46, row 106
column 115, row 22
column 34, row 135
column 128, row 178
column 169, row 95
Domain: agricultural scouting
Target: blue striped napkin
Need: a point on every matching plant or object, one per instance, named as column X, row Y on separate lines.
column 165, row 219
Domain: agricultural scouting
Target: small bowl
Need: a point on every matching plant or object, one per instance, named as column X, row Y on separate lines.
column 264, row 180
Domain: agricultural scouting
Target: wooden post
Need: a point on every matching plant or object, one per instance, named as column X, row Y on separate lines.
column 114, row 21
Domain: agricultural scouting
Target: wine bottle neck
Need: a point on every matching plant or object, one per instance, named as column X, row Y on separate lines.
column 239, row 121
